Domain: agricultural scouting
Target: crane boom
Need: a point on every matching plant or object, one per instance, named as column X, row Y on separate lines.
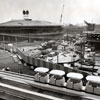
column 61, row 14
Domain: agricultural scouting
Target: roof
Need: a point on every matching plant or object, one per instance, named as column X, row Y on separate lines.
column 41, row 69
column 57, row 72
column 28, row 22
column 74, row 75
column 95, row 79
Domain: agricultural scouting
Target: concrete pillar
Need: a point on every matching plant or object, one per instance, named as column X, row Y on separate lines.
column 29, row 39
column 16, row 39
column 3, row 37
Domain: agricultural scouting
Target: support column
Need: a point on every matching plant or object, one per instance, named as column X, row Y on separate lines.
column 3, row 37
column 29, row 39
column 16, row 39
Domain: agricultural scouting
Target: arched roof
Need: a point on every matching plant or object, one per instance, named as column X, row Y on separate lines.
column 28, row 22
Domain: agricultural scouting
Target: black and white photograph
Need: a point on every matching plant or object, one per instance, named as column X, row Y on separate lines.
column 49, row 49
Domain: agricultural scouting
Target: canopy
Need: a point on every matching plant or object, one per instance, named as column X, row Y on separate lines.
column 74, row 75
column 92, row 78
column 41, row 70
column 57, row 72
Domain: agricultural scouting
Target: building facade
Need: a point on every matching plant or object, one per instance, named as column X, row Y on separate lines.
column 93, row 34
column 27, row 29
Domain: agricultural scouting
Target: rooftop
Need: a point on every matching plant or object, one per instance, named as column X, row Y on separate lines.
column 28, row 22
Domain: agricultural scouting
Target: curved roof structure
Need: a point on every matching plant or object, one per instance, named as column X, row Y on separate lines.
column 27, row 22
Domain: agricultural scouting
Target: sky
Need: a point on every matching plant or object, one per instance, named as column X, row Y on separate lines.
column 75, row 11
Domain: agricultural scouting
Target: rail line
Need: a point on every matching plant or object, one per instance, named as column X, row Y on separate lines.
column 29, row 81
column 16, row 76
column 31, row 95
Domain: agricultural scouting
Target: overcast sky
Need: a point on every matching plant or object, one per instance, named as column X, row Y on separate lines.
column 75, row 11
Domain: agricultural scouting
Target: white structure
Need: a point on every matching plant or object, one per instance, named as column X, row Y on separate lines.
column 57, row 77
column 41, row 74
column 74, row 81
column 93, row 84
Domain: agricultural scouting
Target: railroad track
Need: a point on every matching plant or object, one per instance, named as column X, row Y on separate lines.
column 23, row 78
column 28, row 80
column 17, row 91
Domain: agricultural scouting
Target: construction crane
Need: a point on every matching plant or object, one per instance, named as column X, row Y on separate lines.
column 61, row 14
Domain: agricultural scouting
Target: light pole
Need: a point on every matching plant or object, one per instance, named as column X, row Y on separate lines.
column 93, row 62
